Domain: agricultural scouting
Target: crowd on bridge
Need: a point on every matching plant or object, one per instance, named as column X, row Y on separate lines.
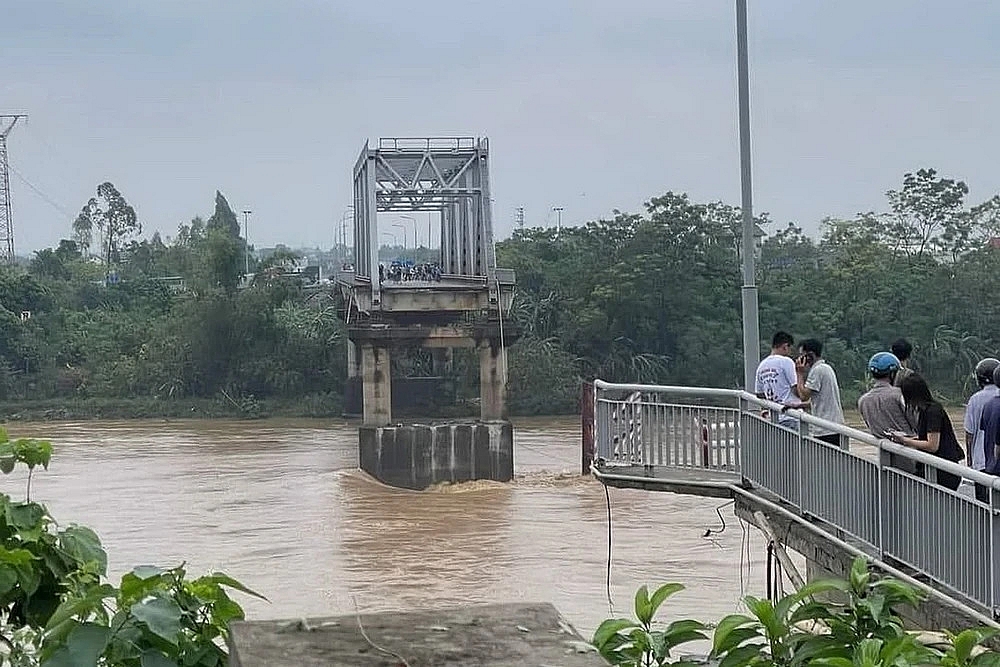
column 400, row 271
column 899, row 406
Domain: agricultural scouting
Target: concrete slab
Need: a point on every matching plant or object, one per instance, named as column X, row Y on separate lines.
column 503, row 635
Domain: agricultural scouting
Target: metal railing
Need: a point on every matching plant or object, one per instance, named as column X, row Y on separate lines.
column 865, row 488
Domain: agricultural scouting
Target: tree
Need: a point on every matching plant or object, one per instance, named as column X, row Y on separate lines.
column 224, row 219
column 927, row 215
column 112, row 216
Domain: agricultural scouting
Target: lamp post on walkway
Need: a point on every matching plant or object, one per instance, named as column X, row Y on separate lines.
column 751, row 325
column 246, row 244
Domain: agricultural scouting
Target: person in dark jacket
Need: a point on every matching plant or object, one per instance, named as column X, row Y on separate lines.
column 935, row 433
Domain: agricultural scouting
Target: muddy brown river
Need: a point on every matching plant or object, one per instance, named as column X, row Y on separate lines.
column 280, row 505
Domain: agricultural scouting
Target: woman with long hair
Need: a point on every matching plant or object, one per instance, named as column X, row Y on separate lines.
column 935, row 434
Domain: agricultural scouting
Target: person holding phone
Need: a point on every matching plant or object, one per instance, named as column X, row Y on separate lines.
column 935, row 433
column 817, row 384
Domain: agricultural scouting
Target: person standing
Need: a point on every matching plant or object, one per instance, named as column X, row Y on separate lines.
column 902, row 349
column 816, row 383
column 990, row 424
column 775, row 377
column 881, row 407
column 975, row 453
column 935, row 434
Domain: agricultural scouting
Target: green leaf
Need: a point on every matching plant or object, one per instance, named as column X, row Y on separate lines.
column 25, row 516
column 84, row 546
column 859, row 575
column 8, row 579
column 610, row 628
column 963, row 644
column 661, row 594
column 642, row 605
column 80, row 606
column 225, row 580
column 161, row 615
column 725, row 628
column 986, row 659
column 7, row 464
column 153, row 658
column 831, row 662
column 33, row 452
column 83, row 647
column 741, row 656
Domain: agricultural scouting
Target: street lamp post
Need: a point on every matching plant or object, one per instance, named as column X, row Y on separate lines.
column 397, row 224
column 751, row 325
column 414, row 221
column 558, row 210
column 246, row 243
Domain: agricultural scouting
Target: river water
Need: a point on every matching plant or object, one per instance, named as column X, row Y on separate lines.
column 280, row 505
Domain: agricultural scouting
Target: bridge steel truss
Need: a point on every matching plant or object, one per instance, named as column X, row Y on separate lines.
column 869, row 491
column 449, row 176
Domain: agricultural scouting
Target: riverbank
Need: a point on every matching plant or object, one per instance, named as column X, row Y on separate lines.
column 326, row 406
column 81, row 409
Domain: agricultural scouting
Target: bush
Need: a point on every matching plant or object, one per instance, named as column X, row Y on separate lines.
column 798, row 629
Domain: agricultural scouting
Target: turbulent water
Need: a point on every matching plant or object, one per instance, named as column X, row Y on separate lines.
column 281, row 506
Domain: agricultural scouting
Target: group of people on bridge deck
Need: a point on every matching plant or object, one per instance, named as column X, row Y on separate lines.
column 405, row 271
column 899, row 406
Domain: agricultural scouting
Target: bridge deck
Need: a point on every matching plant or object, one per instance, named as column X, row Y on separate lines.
column 690, row 481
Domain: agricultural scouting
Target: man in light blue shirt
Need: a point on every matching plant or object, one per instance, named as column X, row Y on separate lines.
column 975, row 453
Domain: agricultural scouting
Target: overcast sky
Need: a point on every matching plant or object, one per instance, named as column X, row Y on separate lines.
column 589, row 105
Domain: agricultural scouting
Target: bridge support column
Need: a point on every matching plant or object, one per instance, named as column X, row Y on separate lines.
column 377, row 385
column 353, row 360
column 441, row 361
column 492, row 388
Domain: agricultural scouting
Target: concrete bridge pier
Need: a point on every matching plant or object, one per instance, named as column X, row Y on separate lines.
column 442, row 361
column 492, row 385
column 377, row 385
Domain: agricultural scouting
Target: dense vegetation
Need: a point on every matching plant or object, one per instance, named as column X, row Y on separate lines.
column 643, row 297
column 656, row 297
column 803, row 628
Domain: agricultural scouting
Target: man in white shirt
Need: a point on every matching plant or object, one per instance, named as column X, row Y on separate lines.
column 817, row 384
column 974, row 453
column 775, row 380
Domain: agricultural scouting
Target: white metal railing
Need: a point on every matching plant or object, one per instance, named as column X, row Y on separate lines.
column 865, row 487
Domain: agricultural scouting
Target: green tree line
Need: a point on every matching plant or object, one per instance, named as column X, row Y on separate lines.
column 655, row 297
column 649, row 297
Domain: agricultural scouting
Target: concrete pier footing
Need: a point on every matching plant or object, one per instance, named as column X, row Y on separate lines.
column 415, row 456
column 500, row 635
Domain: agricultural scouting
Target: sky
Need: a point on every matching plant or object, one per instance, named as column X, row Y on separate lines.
column 589, row 105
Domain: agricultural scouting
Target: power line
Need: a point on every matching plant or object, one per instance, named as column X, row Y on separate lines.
column 44, row 197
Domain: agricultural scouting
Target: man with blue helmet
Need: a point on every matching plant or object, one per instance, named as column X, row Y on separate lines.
column 974, row 436
column 882, row 407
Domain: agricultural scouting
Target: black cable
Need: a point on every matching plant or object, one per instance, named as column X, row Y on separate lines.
column 607, row 582
column 722, row 520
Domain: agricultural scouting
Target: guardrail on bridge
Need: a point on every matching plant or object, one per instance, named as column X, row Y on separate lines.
column 881, row 494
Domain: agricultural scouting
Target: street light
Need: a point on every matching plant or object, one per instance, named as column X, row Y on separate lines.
column 400, row 225
column 246, row 243
column 751, row 326
column 414, row 221
column 395, row 241
column 349, row 211
column 558, row 210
